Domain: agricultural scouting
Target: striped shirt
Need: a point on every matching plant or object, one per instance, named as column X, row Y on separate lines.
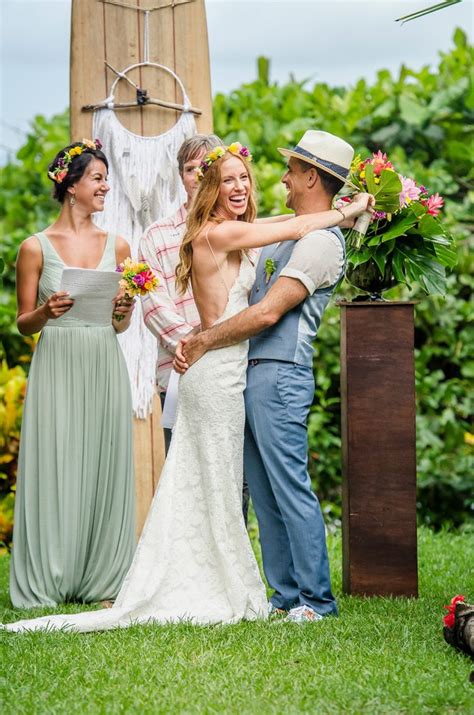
column 167, row 314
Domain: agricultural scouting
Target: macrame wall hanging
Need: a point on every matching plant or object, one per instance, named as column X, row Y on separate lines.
column 144, row 186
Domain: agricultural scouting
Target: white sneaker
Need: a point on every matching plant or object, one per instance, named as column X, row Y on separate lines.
column 303, row 614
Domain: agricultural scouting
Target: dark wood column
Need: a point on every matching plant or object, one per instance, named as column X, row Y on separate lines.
column 378, row 449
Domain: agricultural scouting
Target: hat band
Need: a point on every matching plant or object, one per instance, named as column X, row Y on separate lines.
column 341, row 170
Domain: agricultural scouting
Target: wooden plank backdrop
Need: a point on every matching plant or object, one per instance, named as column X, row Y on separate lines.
column 101, row 32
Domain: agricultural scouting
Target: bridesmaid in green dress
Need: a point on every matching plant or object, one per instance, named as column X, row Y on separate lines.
column 73, row 536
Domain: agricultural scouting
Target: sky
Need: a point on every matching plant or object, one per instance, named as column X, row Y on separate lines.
column 335, row 41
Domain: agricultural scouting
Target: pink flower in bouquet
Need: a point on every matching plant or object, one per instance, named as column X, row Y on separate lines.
column 434, row 204
column 139, row 280
column 150, row 280
column 410, row 191
column 380, row 162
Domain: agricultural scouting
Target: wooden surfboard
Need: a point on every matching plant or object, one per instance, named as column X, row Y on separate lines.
column 112, row 31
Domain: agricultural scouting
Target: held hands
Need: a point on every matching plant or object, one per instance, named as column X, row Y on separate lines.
column 57, row 304
column 188, row 351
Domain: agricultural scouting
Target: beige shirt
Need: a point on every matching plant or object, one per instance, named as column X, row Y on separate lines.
column 317, row 260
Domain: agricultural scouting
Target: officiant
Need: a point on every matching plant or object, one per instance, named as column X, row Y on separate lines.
column 74, row 530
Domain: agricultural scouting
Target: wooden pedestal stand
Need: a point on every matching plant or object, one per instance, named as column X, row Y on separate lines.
column 104, row 31
column 379, row 449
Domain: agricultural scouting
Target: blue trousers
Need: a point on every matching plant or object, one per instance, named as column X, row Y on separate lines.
column 292, row 534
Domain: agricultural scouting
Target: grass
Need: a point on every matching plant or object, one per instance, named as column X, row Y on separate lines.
column 380, row 656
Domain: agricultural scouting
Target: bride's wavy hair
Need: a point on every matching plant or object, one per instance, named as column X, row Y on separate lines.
column 204, row 208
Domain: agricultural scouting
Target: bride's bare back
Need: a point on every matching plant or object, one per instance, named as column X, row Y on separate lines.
column 214, row 272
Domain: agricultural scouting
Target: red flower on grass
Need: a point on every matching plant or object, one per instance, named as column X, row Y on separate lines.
column 448, row 620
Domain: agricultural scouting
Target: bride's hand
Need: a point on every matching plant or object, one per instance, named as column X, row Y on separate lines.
column 359, row 204
column 179, row 363
column 189, row 350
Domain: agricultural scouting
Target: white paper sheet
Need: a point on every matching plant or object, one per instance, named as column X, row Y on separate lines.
column 93, row 292
column 168, row 418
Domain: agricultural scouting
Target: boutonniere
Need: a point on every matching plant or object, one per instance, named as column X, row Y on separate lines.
column 270, row 268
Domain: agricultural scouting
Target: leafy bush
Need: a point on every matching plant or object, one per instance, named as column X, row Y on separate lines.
column 12, row 394
column 424, row 119
column 26, row 206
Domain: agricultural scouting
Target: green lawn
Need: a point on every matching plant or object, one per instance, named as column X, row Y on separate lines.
column 379, row 656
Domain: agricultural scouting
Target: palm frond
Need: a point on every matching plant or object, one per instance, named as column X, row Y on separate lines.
column 427, row 11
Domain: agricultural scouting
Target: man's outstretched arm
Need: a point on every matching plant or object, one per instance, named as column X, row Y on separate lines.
column 284, row 295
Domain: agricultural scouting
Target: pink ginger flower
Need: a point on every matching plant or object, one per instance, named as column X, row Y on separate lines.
column 410, row 191
column 434, row 204
column 380, row 162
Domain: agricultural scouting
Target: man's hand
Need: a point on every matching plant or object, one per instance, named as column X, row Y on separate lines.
column 188, row 351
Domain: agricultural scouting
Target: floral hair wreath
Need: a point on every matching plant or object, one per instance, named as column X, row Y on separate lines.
column 235, row 148
column 59, row 173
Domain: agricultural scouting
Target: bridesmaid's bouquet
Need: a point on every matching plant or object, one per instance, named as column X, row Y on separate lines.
column 137, row 279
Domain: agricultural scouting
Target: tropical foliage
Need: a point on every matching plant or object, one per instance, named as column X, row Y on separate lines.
column 12, row 393
column 424, row 121
column 404, row 241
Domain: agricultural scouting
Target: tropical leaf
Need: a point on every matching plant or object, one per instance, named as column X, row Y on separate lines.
column 387, row 192
column 428, row 272
column 397, row 267
column 400, row 227
column 427, row 11
column 357, row 257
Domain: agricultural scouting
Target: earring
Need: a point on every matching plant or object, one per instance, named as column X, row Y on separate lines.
column 72, row 200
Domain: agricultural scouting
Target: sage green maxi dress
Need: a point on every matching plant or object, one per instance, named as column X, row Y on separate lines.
column 74, row 530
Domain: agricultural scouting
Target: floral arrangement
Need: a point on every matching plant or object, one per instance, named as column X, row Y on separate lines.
column 137, row 278
column 404, row 240
column 59, row 173
column 235, row 148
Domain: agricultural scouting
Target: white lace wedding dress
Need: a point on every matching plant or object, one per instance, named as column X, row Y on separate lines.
column 194, row 561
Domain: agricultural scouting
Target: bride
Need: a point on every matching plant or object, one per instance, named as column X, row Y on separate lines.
column 194, row 560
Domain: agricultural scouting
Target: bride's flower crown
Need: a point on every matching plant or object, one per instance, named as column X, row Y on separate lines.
column 59, row 172
column 218, row 152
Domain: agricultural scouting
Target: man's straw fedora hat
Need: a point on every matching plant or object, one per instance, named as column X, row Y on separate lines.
column 324, row 150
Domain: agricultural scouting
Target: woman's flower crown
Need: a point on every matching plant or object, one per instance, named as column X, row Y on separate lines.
column 218, row 152
column 59, row 173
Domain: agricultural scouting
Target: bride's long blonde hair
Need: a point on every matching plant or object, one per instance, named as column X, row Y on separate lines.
column 204, row 209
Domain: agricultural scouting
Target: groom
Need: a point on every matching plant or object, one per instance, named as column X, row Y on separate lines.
column 294, row 282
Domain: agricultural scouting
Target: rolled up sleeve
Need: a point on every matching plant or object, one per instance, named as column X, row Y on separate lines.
column 317, row 261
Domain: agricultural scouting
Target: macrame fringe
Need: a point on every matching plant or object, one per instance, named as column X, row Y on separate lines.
column 144, row 186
